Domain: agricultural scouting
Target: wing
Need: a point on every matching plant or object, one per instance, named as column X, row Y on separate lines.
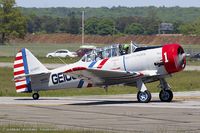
column 106, row 77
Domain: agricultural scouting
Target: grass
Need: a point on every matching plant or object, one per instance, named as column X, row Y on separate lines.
column 183, row 81
column 193, row 62
column 38, row 49
column 41, row 49
column 191, row 47
column 27, row 128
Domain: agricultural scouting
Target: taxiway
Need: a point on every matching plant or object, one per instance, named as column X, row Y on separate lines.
column 118, row 113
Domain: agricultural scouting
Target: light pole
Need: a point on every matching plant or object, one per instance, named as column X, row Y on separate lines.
column 83, row 15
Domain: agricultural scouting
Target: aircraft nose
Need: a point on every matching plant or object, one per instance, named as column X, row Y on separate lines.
column 174, row 58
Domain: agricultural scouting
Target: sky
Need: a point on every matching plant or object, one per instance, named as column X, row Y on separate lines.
column 107, row 3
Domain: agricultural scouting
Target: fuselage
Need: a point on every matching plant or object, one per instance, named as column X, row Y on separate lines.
column 155, row 59
column 111, row 65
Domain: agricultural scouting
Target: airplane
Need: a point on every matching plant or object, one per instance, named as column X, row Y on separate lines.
column 103, row 67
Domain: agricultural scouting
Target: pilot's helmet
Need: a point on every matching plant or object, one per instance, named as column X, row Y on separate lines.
column 126, row 46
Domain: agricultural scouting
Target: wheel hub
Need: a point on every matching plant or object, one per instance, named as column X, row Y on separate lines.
column 165, row 95
column 143, row 96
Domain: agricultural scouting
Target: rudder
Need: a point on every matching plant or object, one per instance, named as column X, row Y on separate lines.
column 26, row 64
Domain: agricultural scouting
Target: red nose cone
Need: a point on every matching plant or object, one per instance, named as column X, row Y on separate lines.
column 173, row 57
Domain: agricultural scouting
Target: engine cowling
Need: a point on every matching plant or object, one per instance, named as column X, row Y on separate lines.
column 173, row 57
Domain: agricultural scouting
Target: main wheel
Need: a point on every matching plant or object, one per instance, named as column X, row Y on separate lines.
column 35, row 96
column 166, row 95
column 144, row 97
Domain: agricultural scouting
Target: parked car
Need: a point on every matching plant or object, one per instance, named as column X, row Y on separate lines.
column 196, row 56
column 61, row 53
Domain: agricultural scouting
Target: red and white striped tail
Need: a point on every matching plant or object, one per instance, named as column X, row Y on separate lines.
column 22, row 82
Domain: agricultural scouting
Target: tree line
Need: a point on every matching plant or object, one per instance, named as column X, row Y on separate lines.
column 172, row 14
column 14, row 22
column 132, row 25
column 93, row 26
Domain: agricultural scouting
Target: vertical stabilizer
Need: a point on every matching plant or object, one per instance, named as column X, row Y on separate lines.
column 26, row 64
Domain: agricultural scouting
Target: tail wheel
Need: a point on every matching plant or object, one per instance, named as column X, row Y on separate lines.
column 166, row 95
column 144, row 97
column 35, row 96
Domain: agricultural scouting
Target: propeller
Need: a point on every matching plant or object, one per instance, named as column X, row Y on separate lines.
column 180, row 58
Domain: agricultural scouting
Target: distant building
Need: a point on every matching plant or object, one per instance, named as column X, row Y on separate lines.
column 165, row 28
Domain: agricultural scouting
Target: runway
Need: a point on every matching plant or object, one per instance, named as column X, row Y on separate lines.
column 118, row 113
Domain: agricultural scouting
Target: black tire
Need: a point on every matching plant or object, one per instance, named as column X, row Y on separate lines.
column 50, row 56
column 67, row 56
column 144, row 97
column 35, row 96
column 166, row 95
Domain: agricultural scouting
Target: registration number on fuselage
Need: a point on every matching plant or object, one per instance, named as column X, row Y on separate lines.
column 60, row 78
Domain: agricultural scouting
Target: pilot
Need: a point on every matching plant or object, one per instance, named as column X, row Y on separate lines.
column 125, row 48
column 99, row 56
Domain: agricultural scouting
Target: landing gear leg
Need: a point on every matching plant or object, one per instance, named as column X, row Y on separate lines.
column 165, row 95
column 143, row 95
column 35, row 96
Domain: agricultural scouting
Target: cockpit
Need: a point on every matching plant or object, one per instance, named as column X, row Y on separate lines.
column 113, row 51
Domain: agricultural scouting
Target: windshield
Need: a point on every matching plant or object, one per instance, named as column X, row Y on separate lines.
column 109, row 51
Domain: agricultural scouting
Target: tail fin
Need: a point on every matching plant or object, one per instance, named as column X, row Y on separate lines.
column 26, row 64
